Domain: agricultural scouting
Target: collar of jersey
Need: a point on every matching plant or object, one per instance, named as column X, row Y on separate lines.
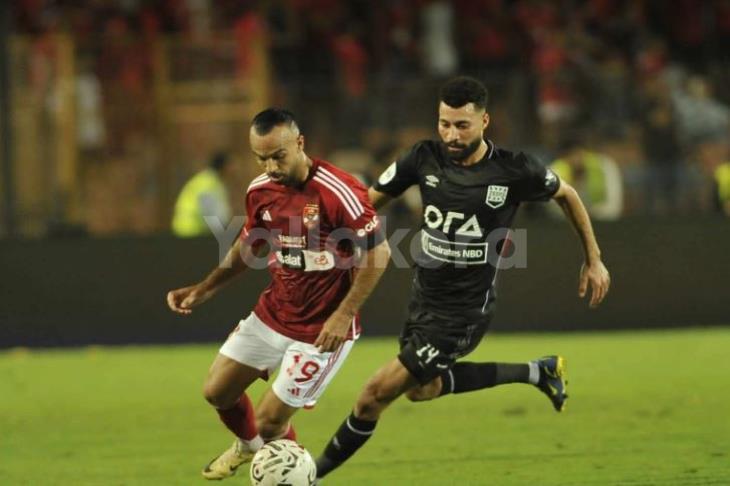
column 310, row 175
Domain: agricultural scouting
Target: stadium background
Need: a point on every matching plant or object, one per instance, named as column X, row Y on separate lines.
column 108, row 107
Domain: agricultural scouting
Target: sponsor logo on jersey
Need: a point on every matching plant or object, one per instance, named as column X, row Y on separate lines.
column 310, row 215
column 266, row 216
column 368, row 228
column 306, row 260
column 290, row 260
column 496, row 196
column 454, row 251
column 432, row 180
column 286, row 241
column 388, row 174
column 435, row 219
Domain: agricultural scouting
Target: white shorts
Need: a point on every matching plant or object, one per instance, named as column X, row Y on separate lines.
column 305, row 372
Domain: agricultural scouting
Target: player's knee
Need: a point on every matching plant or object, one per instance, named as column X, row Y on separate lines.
column 421, row 394
column 211, row 395
column 217, row 396
column 373, row 400
column 428, row 391
column 418, row 395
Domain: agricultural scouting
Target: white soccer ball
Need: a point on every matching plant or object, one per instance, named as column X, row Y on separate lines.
column 283, row 462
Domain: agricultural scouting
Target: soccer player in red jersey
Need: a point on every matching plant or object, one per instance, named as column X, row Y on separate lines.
column 325, row 250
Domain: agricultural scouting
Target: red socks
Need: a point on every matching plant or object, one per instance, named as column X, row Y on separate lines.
column 241, row 419
column 291, row 434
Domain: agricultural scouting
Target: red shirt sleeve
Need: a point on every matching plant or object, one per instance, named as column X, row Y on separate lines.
column 356, row 213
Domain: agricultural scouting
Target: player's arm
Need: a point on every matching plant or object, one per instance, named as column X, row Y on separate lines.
column 399, row 176
column 370, row 268
column 237, row 260
column 593, row 273
column 378, row 199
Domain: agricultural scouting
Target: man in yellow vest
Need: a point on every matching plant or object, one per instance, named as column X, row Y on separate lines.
column 722, row 187
column 205, row 194
column 595, row 176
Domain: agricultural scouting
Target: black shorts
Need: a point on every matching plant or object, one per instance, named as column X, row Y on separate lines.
column 431, row 342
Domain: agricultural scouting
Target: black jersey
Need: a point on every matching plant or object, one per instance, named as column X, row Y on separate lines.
column 466, row 212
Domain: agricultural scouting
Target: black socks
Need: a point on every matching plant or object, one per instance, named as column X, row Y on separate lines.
column 351, row 435
column 465, row 377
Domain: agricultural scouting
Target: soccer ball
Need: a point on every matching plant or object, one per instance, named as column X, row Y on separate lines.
column 283, row 462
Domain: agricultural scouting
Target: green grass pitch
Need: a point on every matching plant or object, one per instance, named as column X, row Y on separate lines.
column 646, row 408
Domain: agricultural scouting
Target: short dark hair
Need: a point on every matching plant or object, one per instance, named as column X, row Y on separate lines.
column 265, row 121
column 461, row 90
column 218, row 161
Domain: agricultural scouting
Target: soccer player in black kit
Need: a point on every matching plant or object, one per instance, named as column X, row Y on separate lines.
column 471, row 190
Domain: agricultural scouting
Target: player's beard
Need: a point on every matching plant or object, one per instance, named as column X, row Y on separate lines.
column 281, row 179
column 285, row 180
column 293, row 178
column 465, row 152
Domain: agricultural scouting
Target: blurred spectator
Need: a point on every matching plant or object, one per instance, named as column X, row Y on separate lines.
column 125, row 71
column 247, row 28
column 557, row 104
column 147, row 70
column 439, row 51
column 700, row 115
column 612, row 91
column 205, row 194
column 722, row 187
column 686, row 24
column 90, row 131
column 662, row 150
column 351, row 71
column 596, row 177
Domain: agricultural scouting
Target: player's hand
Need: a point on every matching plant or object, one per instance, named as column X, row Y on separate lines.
column 334, row 332
column 594, row 276
column 183, row 300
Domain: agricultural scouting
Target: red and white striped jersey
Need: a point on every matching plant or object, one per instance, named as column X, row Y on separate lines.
column 313, row 231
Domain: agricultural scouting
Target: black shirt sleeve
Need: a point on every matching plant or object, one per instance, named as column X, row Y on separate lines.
column 536, row 182
column 400, row 175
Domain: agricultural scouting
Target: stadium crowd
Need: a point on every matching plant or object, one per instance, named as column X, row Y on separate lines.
column 643, row 85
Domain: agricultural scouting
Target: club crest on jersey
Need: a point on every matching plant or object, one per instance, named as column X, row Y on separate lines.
column 496, row 196
column 310, row 215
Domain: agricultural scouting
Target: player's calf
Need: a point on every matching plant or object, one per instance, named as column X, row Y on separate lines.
column 386, row 386
column 464, row 377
